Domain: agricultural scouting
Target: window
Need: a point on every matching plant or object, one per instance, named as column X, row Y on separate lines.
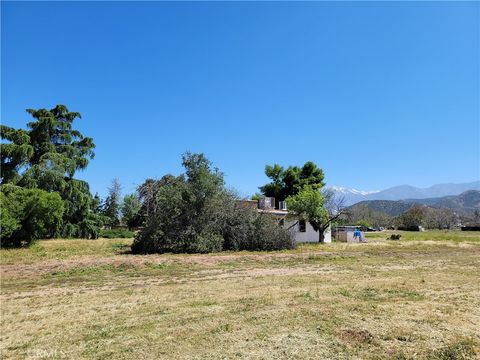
column 302, row 226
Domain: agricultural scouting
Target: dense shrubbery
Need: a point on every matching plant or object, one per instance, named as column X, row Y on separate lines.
column 246, row 229
column 28, row 214
column 194, row 213
column 116, row 234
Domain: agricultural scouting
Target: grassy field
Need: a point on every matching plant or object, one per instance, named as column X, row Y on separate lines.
column 417, row 298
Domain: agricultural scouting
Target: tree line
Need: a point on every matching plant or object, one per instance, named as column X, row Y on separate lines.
column 192, row 212
column 416, row 216
column 40, row 197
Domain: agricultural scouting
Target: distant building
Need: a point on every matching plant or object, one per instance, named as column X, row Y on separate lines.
column 349, row 234
column 301, row 230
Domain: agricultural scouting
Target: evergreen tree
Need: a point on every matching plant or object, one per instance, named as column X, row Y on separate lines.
column 47, row 156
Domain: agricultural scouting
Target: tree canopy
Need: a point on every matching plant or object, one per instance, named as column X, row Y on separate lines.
column 289, row 181
column 131, row 207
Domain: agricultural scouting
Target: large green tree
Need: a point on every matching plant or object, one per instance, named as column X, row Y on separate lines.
column 303, row 189
column 319, row 208
column 194, row 212
column 46, row 156
column 289, row 181
column 309, row 204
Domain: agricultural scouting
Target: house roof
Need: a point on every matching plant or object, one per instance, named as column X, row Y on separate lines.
column 274, row 211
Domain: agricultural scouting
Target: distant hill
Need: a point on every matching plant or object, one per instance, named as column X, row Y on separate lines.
column 402, row 192
column 389, row 207
column 464, row 203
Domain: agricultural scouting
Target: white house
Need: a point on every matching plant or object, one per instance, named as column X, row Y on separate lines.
column 301, row 230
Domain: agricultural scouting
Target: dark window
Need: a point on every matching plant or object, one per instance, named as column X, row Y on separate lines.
column 302, row 226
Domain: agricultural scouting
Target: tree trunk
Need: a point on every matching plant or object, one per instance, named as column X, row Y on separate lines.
column 321, row 235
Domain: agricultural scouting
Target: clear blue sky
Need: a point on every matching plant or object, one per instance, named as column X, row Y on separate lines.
column 378, row 94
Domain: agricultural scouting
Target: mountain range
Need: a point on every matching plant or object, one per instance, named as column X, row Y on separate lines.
column 464, row 203
column 403, row 192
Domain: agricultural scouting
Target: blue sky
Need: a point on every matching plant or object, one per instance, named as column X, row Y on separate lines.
column 378, row 94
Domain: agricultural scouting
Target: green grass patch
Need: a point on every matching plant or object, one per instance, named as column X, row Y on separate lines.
column 432, row 235
column 372, row 294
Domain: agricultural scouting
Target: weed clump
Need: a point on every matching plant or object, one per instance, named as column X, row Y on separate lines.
column 459, row 350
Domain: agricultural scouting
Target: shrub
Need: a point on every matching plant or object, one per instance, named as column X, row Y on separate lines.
column 205, row 243
column 9, row 223
column 246, row 229
column 29, row 214
column 116, row 234
column 269, row 235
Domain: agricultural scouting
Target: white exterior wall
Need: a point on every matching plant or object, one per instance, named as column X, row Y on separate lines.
column 310, row 235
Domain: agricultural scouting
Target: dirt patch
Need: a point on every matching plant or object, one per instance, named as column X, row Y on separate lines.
column 356, row 336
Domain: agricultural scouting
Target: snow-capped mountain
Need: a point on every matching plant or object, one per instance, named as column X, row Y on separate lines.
column 344, row 190
column 402, row 192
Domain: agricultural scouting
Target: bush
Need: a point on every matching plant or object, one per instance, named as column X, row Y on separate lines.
column 246, row 229
column 205, row 243
column 194, row 213
column 116, row 234
column 28, row 214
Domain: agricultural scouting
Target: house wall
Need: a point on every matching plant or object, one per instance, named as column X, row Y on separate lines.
column 310, row 235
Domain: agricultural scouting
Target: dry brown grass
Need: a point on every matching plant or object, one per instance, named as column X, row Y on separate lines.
column 89, row 300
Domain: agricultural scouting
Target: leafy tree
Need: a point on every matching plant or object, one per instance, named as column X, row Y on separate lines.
column 302, row 188
column 194, row 212
column 320, row 209
column 361, row 213
column 28, row 214
column 439, row 218
column 363, row 223
column 309, row 205
column 112, row 205
column 288, row 182
column 256, row 196
column 412, row 219
column 131, row 206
